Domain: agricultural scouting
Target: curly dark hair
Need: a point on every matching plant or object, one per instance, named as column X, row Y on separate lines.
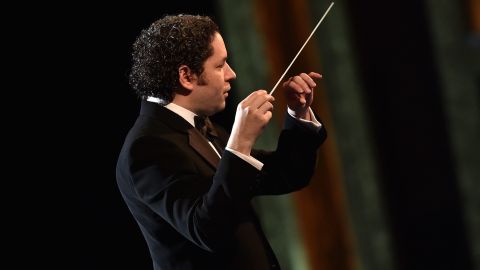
column 166, row 45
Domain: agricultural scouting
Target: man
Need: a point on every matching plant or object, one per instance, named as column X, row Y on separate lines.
column 189, row 194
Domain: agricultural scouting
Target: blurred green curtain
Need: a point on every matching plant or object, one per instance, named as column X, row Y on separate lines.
column 457, row 55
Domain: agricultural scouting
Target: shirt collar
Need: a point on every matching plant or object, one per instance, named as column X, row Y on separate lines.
column 184, row 113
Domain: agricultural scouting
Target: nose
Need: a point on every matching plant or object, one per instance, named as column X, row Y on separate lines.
column 229, row 74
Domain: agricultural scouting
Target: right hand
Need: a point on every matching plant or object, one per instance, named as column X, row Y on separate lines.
column 252, row 115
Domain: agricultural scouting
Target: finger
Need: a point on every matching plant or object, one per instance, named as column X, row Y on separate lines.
column 295, row 86
column 267, row 116
column 311, row 83
column 259, row 99
column 265, row 107
column 285, row 83
column 301, row 98
column 249, row 100
column 315, row 75
column 296, row 98
column 299, row 80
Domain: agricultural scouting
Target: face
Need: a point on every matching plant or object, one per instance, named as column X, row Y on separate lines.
column 212, row 86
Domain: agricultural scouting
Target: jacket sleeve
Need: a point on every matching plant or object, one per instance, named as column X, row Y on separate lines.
column 291, row 166
column 168, row 182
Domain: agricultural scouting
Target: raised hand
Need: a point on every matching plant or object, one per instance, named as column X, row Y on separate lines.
column 299, row 93
column 252, row 115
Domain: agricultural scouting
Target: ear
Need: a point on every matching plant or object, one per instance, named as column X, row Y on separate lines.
column 186, row 77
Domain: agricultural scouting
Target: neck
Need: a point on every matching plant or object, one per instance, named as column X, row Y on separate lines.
column 184, row 103
column 187, row 103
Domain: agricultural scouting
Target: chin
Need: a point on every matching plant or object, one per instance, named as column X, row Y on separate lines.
column 219, row 108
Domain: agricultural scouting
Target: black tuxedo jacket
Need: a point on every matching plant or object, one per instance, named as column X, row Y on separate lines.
column 194, row 208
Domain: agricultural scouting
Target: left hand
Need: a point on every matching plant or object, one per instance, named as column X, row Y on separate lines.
column 299, row 93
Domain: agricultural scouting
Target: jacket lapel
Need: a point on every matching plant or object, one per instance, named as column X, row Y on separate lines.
column 200, row 144
column 176, row 122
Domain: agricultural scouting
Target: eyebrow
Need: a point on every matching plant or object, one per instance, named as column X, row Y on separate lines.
column 223, row 60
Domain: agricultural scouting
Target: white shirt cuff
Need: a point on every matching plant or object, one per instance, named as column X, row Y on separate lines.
column 313, row 125
column 249, row 159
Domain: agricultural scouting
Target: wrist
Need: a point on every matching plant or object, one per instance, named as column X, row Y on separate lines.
column 239, row 145
column 301, row 113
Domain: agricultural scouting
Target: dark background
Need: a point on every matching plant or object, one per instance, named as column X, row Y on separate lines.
column 409, row 128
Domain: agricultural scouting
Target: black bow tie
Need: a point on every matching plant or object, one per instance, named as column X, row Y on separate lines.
column 203, row 124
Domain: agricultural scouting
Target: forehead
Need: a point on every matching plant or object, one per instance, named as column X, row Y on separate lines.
column 218, row 46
